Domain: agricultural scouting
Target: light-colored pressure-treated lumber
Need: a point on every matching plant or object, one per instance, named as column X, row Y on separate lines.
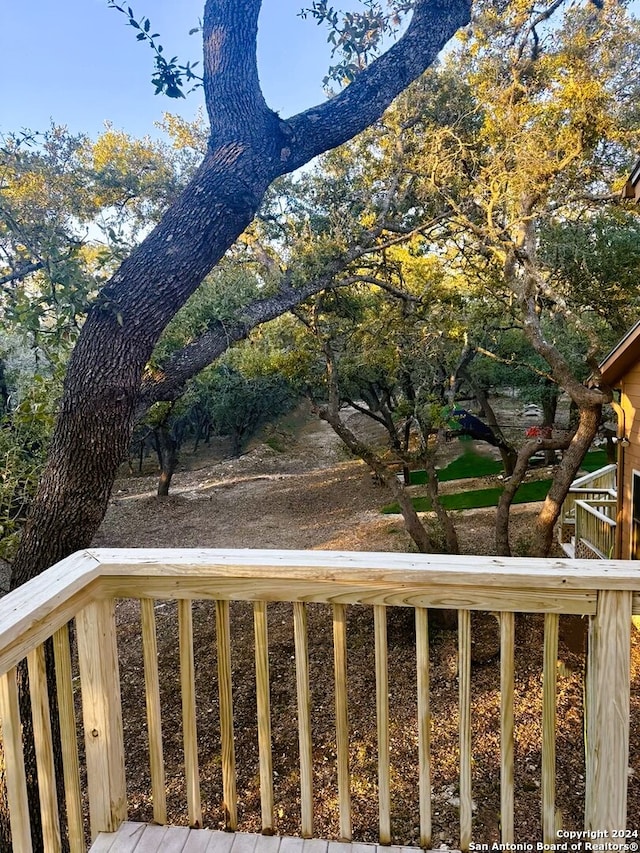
column 15, row 779
column 264, row 713
column 154, row 716
column 43, row 743
column 371, row 568
column 549, row 684
column 68, row 739
column 304, row 717
column 424, row 725
column 342, row 718
column 161, row 839
column 30, row 614
column 507, row 645
column 464, row 710
column 189, row 727
column 607, row 711
column 102, row 716
column 345, row 591
column 382, row 717
column 223, row 636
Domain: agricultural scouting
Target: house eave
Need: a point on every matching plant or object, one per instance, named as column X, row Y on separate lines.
column 622, row 357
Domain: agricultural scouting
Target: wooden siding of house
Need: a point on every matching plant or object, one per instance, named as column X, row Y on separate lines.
column 630, row 462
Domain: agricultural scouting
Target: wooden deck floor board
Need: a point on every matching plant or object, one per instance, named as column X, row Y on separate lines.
column 149, row 838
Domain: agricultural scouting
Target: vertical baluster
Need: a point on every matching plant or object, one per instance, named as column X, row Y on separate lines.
column 607, row 712
column 304, row 716
column 549, row 679
column 382, row 715
column 424, row 725
column 69, row 739
column 102, row 715
column 264, row 713
column 41, row 718
column 189, row 728
column 154, row 716
column 223, row 635
column 507, row 642
column 464, row 703
column 15, row 777
column 342, row 717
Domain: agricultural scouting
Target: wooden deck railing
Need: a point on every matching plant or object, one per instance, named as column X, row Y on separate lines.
column 85, row 588
column 598, row 491
column 595, row 525
column 600, row 483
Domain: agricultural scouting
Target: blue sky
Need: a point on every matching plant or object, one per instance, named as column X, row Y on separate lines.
column 78, row 63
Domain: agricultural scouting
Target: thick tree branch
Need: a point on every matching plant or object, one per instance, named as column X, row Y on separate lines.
column 328, row 125
column 506, row 498
column 22, row 272
column 183, row 365
column 231, row 85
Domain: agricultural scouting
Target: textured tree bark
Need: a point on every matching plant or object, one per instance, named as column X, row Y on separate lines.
column 168, row 457
column 448, row 527
column 250, row 145
column 523, row 277
column 503, row 547
column 414, row 526
column 565, row 473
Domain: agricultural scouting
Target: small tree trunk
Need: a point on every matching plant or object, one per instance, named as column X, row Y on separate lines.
column 406, row 443
column 168, row 456
column 565, row 474
column 414, row 526
column 503, row 548
column 508, row 453
column 549, row 409
column 450, row 534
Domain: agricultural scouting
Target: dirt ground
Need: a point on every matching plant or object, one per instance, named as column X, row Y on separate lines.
column 308, row 493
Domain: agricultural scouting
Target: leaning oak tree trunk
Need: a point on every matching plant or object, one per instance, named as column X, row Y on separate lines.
column 415, row 528
column 250, row 146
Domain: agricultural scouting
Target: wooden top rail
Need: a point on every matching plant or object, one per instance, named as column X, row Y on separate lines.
column 35, row 611
column 596, row 475
column 31, row 614
column 591, row 507
column 365, row 567
column 594, row 491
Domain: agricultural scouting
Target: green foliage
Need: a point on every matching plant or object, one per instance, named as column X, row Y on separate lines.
column 220, row 299
column 71, row 209
column 239, row 405
column 169, row 77
column 24, row 436
column 356, row 36
column 596, row 262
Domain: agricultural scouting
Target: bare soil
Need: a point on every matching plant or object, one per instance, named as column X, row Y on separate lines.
column 309, row 494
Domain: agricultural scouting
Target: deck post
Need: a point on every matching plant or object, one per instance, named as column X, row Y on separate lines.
column 102, row 716
column 607, row 709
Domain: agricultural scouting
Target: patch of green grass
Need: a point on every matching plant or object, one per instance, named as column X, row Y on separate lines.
column 470, row 464
column 479, row 498
column 593, row 460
